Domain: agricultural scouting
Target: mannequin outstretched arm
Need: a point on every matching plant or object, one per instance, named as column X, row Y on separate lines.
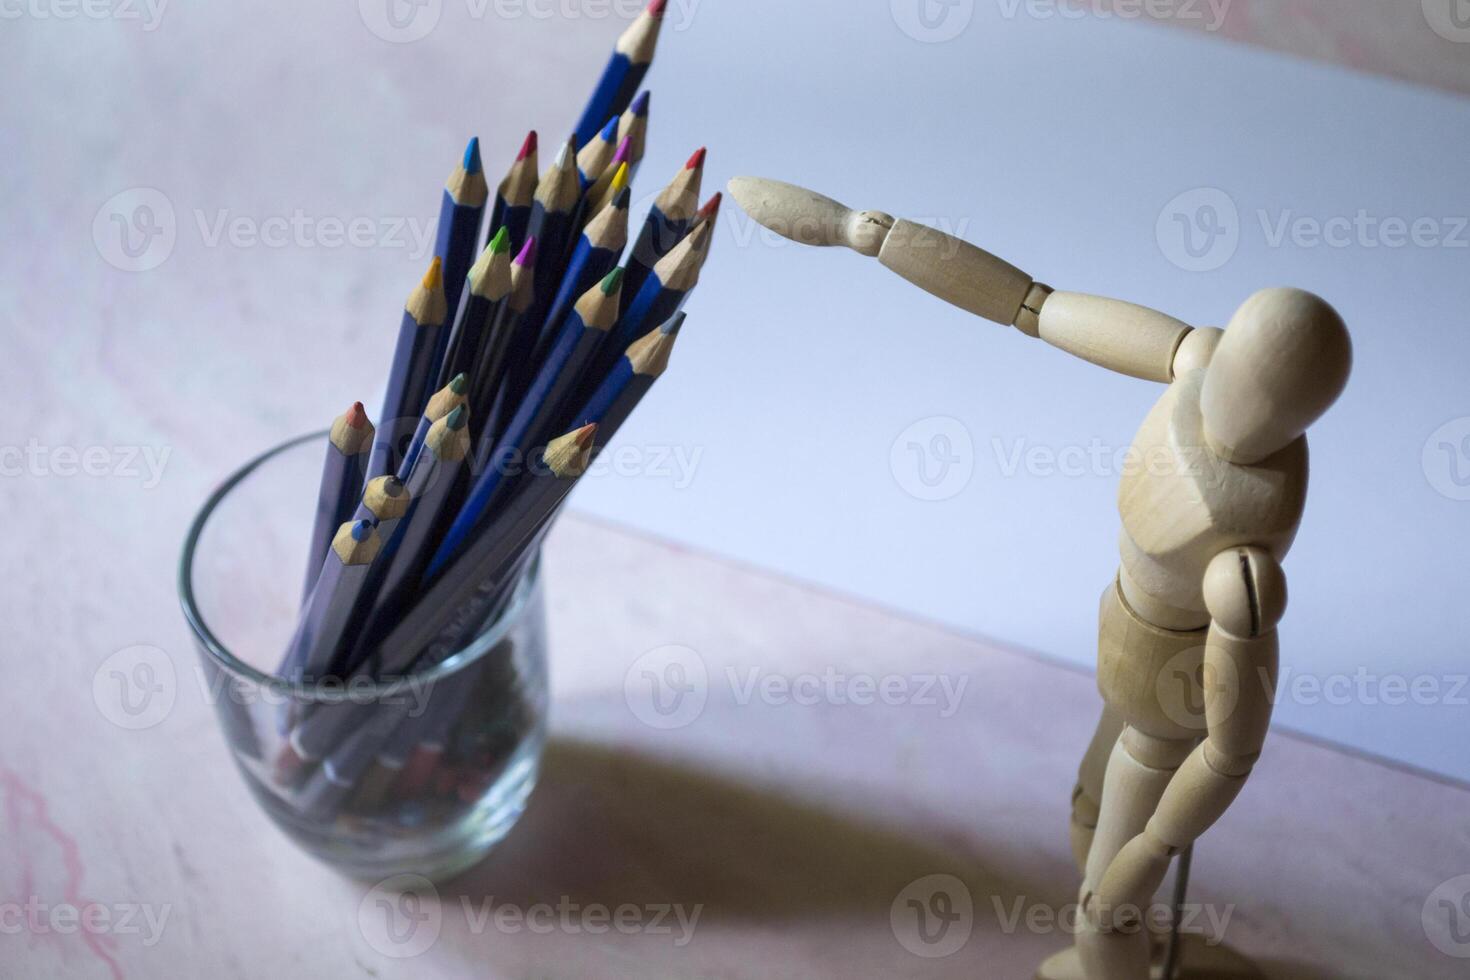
column 1119, row 336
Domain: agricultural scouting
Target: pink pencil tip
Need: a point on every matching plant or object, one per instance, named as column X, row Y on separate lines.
column 356, row 415
column 624, row 149
column 528, row 252
column 528, row 147
column 697, row 160
column 656, row 8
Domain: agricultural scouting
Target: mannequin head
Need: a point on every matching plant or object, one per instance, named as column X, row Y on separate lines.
column 1284, row 359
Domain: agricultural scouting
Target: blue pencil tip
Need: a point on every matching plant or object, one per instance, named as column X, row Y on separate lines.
column 361, row 530
column 640, row 104
column 472, row 156
column 672, row 324
column 610, row 131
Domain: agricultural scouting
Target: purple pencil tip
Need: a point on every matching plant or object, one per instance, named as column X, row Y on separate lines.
column 528, row 252
column 640, row 104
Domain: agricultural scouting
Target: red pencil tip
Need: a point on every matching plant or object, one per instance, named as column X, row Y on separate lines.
column 584, row 435
column 356, row 415
column 711, row 207
column 656, row 8
column 528, row 252
column 697, row 160
column 528, row 147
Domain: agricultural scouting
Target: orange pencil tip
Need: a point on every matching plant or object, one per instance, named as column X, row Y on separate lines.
column 584, row 435
column 434, row 278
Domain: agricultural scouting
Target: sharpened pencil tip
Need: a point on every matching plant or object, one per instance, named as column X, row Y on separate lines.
column 672, row 324
column 501, row 242
column 623, row 199
column 625, row 148
column 697, row 160
column 583, row 437
column 528, row 252
column 392, row 486
column 357, row 415
column 456, row 419
column 459, row 383
column 620, row 179
column 528, row 147
column 656, row 8
column 612, row 281
column 472, row 156
column 640, row 104
column 362, row 530
column 566, row 156
column 434, row 278
column 610, row 131
column 711, row 207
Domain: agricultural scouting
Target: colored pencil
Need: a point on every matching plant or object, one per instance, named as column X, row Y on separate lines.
column 330, row 610
column 413, row 370
column 624, row 72
column 601, row 193
column 539, row 410
column 595, row 255
column 552, row 218
column 516, row 328
column 512, row 208
column 461, row 211
column 633, row 130
column 667, row 222
column 596, row 154
column 334, row 781
column 432, row 484
column 660, row 296
column 444, row 401
column 343, row 475
column 489, row 282
column 629, row 380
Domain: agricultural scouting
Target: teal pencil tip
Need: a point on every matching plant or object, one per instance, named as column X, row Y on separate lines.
column 612, row 281
column 456, row 419
column 459, row 383
column 472, row 156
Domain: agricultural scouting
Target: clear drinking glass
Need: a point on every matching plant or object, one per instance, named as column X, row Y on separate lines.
column 421, row 774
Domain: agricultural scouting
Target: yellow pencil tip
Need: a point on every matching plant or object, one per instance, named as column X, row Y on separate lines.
column 620, row 179
column 434, row 278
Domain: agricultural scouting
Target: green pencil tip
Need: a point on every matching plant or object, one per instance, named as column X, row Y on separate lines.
column 612, row 281
column 501, row 242
column 459, row 383
column 456, row 419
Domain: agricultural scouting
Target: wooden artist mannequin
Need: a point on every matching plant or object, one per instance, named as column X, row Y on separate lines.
column 1187, row 652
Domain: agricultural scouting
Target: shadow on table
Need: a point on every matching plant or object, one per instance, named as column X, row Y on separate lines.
column 609, row 826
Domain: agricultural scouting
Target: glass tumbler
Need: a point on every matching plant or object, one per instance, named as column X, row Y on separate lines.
column 419, row 774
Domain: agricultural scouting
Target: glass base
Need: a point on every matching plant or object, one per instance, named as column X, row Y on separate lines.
column 436, row 843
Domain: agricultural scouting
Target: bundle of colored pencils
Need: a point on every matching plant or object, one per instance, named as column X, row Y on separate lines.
column 512, row 369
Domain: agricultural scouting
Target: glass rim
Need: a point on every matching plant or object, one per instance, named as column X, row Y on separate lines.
column 344, row 689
